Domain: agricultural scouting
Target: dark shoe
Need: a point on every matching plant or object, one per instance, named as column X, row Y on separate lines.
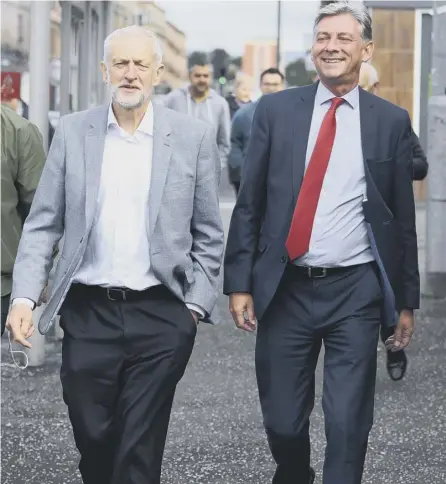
column 312, row 475
column 396, row 364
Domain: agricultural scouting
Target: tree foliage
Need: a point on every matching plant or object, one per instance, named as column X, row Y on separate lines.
column 220, row 62
column 237, row 61
column 296, row 74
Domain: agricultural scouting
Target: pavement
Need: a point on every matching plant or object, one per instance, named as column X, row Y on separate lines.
column 216, row 434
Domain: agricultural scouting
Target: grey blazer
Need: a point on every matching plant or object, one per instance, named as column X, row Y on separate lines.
column 184, row 226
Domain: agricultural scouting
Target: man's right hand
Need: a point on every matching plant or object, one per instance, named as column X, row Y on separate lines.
column 20, row 323
column 241, row 307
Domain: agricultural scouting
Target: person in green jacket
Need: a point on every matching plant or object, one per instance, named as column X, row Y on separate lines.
column 22, row 160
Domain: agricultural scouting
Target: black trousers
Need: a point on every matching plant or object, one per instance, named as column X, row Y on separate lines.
column 4, row 311
column 121, row 362
column 343, row 312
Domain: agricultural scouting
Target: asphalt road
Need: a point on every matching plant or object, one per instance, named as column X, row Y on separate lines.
column 216, row 434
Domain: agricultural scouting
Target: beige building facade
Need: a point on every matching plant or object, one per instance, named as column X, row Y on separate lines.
column 258, row 56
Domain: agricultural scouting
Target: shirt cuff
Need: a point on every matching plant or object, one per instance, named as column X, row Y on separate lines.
column 198, row 309
column 23, row 300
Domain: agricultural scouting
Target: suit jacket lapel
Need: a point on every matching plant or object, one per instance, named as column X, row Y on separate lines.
column 368, row 124
column 93, row 156
column 303, row 113
column 160, row 163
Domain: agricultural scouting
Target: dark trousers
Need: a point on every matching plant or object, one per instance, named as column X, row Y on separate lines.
column 236, row 186
column 121, row 362
column 342, row 311
column 4, row 310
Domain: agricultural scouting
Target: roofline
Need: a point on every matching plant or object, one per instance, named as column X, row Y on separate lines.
column 399, row 4
column 175, row 28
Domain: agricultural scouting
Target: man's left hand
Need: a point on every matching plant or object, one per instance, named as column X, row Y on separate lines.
column 195, row 315
column 404, row 330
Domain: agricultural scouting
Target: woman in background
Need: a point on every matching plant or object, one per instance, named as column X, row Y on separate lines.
column 242, row 94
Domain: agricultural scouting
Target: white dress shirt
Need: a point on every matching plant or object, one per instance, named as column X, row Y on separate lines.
column 117, row 252
column 339, row 236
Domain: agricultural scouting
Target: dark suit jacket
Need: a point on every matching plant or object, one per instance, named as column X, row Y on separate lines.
column 272, row 174
column 240, row 135
column 420, row 165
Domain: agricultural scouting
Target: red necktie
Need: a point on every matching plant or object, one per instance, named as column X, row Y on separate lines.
column 298, row 241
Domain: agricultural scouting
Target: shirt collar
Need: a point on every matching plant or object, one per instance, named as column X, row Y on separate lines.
column 145, row 126
column 323, row 95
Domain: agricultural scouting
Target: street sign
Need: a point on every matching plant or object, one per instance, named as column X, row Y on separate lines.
column 10, row 86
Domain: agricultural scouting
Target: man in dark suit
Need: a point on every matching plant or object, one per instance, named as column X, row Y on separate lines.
column 271, row 80
column 322, row 247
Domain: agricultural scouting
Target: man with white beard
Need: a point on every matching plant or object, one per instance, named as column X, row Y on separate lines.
column 133, row 189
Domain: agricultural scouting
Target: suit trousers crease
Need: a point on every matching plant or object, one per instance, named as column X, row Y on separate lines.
column 121, row 362
column 342, row 311
column 4, row 310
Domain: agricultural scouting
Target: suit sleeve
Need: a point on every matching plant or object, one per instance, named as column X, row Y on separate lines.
column 237, row 143
column 249, row 209
column 44, row 226
column 224, row 133
column 206, row 228
column 408, row 296
column 420, row 165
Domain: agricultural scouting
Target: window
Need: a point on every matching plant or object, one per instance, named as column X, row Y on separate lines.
column 20, row 29
column 53, row 98
column 75, row 38
column 141, row 19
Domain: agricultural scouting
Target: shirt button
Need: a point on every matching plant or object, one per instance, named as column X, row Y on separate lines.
column 283, row 259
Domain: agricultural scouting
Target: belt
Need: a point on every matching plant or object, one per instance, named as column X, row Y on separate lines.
column 116, row 293
column 320, row 272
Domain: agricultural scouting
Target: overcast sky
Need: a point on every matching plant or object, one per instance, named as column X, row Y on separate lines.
column 209, row 24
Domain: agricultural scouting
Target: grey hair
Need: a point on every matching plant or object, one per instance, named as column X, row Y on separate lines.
column 134, row 29
column 359, row 12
